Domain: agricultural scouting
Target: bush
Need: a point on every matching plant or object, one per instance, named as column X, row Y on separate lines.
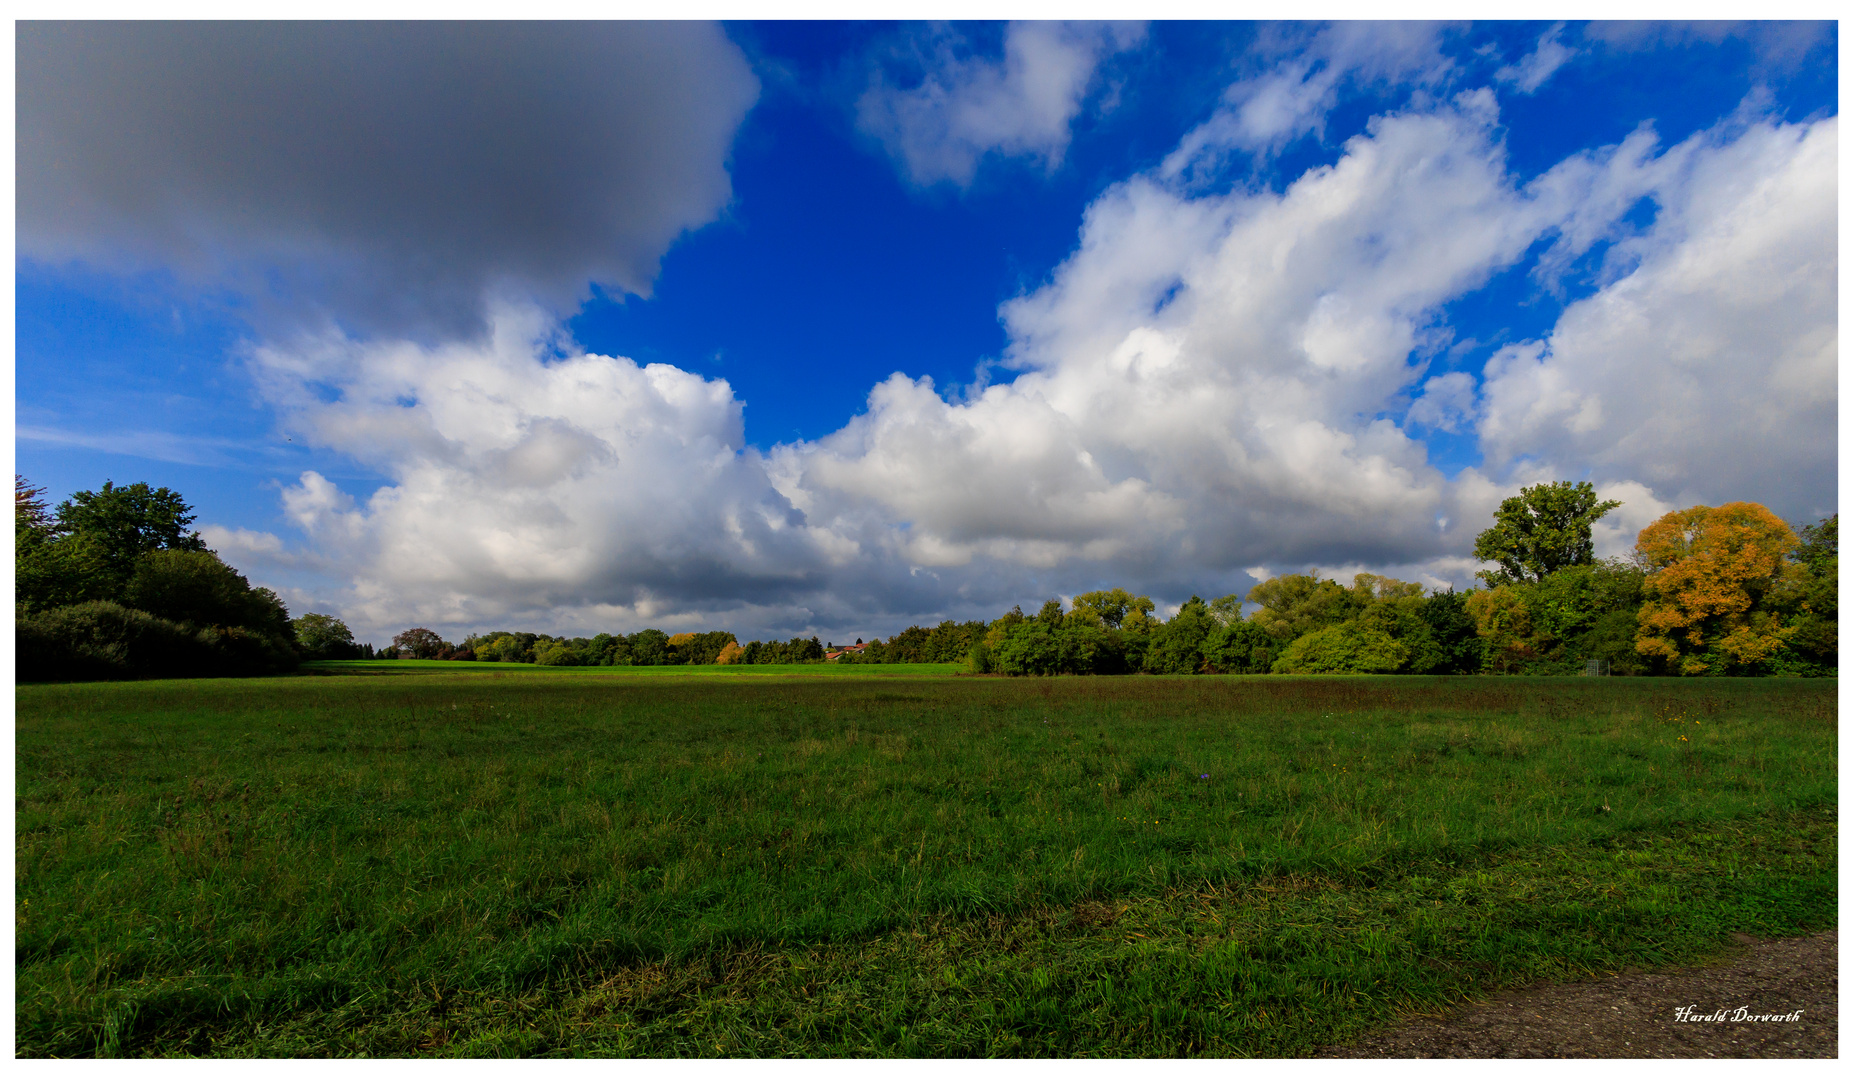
column 1346, row 649
column 102, row 639
column 558, row 654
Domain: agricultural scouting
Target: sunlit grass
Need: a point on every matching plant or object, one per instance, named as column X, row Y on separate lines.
column 506, row 859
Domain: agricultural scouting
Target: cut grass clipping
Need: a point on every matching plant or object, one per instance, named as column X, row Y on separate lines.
column 500, row 862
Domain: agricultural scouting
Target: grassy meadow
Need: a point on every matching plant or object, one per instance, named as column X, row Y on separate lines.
column 395, row 858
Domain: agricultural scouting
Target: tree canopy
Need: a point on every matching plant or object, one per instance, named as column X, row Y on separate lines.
column 129, row 521
column 1713, row 572
column 1544, row 528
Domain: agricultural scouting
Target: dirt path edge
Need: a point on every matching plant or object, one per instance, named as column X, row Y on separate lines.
column 1773, row 998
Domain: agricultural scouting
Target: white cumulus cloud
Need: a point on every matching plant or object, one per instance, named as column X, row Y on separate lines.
column 1708, row 371
column 1201, row 380
column 523, row 483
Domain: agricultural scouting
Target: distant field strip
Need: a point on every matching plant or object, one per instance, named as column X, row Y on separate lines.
column 497, row 859
column 675, row 671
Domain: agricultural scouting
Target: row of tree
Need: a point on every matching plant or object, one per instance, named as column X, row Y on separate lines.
column 1729, row 590
column 646, row 648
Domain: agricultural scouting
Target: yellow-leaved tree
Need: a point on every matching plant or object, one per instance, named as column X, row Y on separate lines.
column 1711, row 572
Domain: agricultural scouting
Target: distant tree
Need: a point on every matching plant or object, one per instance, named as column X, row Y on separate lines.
column 1453, row 629
column 325, row 637
column 1544, row 528
column 503, row 648
column 1712, row 573
column 1295, row 604
column 1396, row 609
column 1239, row 647
column 909, row 647
column 647, row 648
column 419, row 644
column 1112, row 606
column 1505, row 625
column 697, row 648
column 559, row 654
column 1030, row 647
column 1177, row 647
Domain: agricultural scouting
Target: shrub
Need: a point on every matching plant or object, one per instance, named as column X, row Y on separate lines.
column 102, row 639
column 1347, row 649
column 557, row 654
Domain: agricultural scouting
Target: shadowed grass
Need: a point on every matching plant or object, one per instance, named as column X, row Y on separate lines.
column 527, row 861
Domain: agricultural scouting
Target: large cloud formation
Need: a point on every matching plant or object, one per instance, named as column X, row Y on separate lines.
column 1219, row 383
column 1210, row 387
column 390, row 174
column 1709, row 369
column 527, row 485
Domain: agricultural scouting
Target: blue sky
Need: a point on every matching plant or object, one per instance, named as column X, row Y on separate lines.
column 832, row 328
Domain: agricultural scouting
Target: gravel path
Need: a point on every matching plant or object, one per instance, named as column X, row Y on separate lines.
column 1634, row 1014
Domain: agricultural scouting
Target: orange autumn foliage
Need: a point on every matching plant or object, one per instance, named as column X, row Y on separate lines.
column 1710, row 568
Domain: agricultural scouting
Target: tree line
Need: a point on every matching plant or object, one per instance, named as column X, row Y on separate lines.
column 646, row 648
column 115, row 584
column 1728, row 590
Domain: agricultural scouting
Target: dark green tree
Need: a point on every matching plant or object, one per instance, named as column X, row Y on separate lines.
column 1178, row 645
column 649, row 648
column 128, row 522
column 1814, row 618
column 51, row 569
column 196, row 587
column 1545, row 528
column 1240, row 647
column 1453, row 629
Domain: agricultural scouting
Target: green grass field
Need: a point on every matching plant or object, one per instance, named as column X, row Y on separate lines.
column 460, row 859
